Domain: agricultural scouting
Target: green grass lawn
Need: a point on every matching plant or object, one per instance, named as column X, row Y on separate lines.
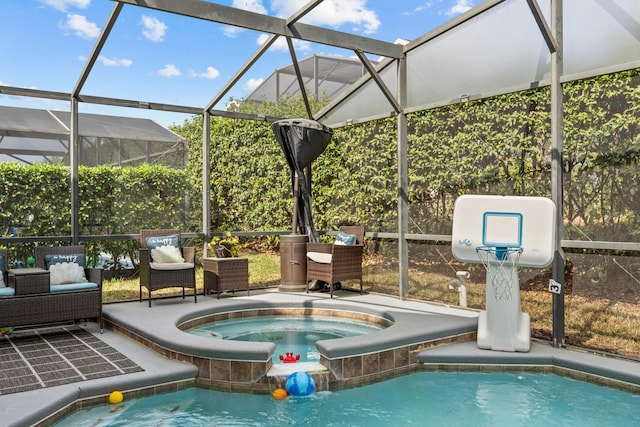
column 264, row 271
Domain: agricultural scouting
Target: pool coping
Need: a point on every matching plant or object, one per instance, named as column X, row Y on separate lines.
column 603, row 369
column 159, row 324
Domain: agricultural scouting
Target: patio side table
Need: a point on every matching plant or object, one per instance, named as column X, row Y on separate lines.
column 29, row 280
column 225, row 274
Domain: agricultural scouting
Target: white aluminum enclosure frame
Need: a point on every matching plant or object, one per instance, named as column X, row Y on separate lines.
column 426, row 73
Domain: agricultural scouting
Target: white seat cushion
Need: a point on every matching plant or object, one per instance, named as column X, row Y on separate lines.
column 319, row 257
column 171, row 265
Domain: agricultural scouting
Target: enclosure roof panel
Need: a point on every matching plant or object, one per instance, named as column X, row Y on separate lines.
column 496, row 48
column 326, row 75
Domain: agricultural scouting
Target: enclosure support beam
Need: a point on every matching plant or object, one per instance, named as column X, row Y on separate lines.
column 206, row 180
column 254, row 58
column 104, row 35
column 296, row 67
column 552, row 45
column 73, row 165
column 376, row 77
column 270, row 24
column 557, row 147
column 403, row 183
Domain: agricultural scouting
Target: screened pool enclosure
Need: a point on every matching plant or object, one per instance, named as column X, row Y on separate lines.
column 32, row 136
column 497, row 48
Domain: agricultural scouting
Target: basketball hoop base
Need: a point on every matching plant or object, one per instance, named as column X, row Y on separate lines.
column 495, row 334
column 502, row 326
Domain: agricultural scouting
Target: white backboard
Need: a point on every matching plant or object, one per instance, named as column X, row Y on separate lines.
column 504, row 222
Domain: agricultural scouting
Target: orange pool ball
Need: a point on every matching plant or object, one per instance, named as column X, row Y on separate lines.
column 279, row 394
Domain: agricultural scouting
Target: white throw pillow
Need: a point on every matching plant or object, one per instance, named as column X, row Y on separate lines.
column 65, row 273
column 166, row 254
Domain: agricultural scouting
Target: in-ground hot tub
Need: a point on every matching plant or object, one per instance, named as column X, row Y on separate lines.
column 295, row 336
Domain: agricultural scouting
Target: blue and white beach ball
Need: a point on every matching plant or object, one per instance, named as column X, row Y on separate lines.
column 300, row 384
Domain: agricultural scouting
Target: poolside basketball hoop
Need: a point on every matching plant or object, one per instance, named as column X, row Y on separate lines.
column 501, row 264
column 503, row 233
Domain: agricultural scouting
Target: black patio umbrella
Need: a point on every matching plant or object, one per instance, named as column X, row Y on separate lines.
column 302, row 141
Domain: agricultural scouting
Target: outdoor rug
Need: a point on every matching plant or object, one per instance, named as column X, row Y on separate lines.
column 31, row 360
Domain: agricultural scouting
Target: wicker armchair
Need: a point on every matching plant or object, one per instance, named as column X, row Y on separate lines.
column 344, row 263
column 183, row 276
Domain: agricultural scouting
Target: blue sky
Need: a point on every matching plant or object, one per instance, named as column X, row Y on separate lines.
column 158, row 57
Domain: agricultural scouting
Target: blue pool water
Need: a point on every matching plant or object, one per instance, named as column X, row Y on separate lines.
column 421, row 399
column 294, row 334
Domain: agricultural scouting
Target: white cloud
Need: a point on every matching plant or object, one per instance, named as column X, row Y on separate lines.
column 79, row 25
column 281, row 44
column 169, row 70
column 419, row 9
column 211, row 73
column 154, row 29
column 251, row 85
column 461, row 6
column 334, row 13
column 114, row 62
column 231, row 31
column 63, row 5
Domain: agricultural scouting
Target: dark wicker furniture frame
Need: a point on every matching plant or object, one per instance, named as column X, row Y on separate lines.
column 4, row 267
column 346, row 261
column 30, row 280
column 154, row 280
column 44, row 308
column 225, row 274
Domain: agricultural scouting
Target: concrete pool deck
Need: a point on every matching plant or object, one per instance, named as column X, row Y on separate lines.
column 414, row 321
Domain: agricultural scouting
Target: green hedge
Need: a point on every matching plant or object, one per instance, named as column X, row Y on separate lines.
column 499, row 145
column 112, row 200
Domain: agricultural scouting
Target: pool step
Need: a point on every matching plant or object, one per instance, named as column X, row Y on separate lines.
column 286, row 369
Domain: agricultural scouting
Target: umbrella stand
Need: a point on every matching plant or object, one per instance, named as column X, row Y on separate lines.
column 302, row 141
column 296, row 197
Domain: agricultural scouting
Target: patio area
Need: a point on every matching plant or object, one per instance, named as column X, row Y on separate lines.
column 414, row 321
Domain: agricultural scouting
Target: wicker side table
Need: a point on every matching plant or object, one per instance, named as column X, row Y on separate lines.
column 225, row 274
column 29, row 280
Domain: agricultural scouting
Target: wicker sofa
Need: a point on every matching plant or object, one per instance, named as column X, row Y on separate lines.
column 48, row 307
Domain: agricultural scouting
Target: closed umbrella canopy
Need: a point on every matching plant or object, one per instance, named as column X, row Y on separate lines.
column 302, row 141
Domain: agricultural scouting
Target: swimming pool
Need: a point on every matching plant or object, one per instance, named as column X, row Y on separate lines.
column 421, row 398
column 291, row 334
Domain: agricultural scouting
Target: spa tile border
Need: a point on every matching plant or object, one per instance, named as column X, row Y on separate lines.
column 286, row 311
column 358, row 370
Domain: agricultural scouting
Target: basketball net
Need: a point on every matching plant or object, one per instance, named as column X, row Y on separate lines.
column 500, row 263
